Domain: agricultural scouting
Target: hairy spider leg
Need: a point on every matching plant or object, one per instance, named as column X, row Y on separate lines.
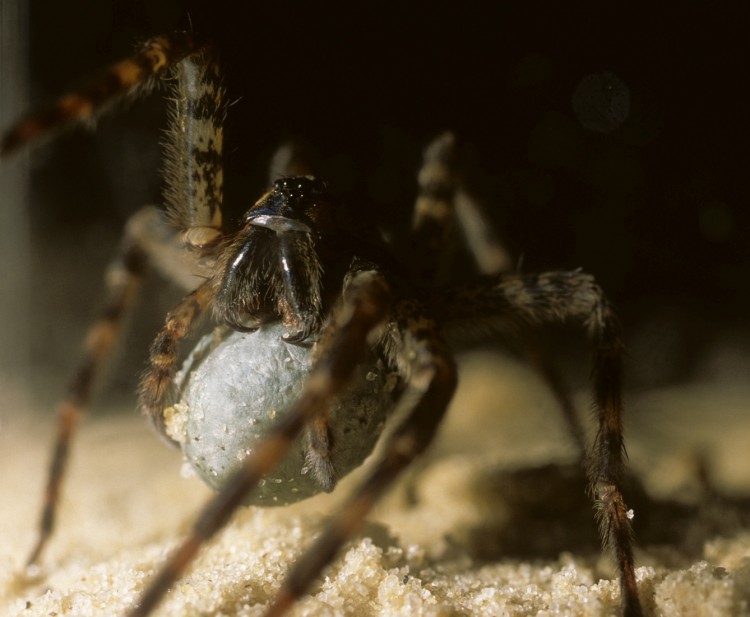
column 149, row 241
column 489, row 254
column 157, row 382
column 416, row 348
column 558, row 296
column 444, row 203
column 123, row 280
column 147, row 238
column 126, row 77
column 193, row 151
column 290, row 159
column 364, row 307
column 433, row 242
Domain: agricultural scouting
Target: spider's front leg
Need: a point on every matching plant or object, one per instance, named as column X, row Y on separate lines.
column 195, row 208
column 365, row 304
column 155, row 56
column 510, row 300
column 414, row 345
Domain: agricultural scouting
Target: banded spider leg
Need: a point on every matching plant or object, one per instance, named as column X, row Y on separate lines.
column 193, row 171
column 444, row 207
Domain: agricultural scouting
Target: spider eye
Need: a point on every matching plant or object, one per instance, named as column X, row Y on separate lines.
column 292, row 205
column 300, row 187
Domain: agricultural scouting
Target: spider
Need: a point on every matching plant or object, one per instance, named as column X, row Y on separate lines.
column 299, row 261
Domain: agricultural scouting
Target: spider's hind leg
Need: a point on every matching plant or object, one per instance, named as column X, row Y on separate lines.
column 426, row 362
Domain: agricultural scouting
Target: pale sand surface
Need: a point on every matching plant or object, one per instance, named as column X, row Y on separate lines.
column 475, row 531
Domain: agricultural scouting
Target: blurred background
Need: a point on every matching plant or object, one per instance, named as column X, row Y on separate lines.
column 607, row 136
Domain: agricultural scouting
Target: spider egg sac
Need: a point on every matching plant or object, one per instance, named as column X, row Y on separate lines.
column 234, row 386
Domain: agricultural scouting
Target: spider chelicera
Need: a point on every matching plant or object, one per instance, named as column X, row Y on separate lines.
column 298, row 261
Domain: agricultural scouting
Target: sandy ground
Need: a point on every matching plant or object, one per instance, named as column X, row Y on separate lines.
column 494, row 521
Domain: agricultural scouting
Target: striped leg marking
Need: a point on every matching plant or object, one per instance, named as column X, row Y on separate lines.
column 193, row 168
column 122, row 78
column 442, row 204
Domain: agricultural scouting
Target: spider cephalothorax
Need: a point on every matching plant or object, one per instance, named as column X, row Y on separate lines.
column 298, row 261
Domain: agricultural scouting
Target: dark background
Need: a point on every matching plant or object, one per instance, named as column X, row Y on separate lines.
column 607, row 136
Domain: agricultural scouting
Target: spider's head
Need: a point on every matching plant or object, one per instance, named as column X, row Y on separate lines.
column 294, row 204
column 272, row 269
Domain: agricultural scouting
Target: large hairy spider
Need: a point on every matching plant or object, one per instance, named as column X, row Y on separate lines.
column 298, row 260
